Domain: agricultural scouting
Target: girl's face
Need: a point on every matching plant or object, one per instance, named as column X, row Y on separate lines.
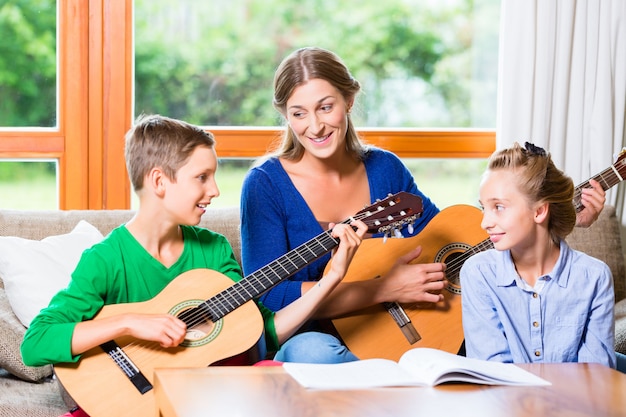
column 195, row 186
column 508, row 218
column 318, row 115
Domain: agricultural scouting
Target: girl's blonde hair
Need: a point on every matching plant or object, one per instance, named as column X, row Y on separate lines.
column 540, row 181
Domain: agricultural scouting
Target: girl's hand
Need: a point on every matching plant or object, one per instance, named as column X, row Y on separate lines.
column 593, row 200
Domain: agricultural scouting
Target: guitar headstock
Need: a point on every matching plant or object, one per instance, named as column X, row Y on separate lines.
column 392, row 213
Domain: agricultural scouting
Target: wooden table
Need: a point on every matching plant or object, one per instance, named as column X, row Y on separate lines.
column 577, row 390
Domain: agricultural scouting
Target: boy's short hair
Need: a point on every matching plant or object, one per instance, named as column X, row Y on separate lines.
column 159, row 141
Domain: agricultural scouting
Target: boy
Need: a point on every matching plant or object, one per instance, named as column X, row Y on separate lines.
column 172, row 167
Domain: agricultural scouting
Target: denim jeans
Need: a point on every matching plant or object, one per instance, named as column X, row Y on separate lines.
column 621, row 362
column 314, row 347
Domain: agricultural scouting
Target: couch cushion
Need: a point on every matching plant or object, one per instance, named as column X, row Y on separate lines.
column 33, row 271
column 11, row 335
column 602, row 240
column 620, row 327
column 21, row 398
column 38, row 224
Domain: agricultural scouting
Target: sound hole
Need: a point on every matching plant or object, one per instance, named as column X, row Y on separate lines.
column 452, row 256
column 200, row 328
column 198, row 324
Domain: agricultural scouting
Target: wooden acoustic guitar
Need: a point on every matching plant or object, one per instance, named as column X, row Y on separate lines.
column 452, row 236
column 223, row 320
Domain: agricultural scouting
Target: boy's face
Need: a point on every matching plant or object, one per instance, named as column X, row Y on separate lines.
column 195, row 186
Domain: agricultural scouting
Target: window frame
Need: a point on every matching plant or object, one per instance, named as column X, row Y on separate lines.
column 95, row 78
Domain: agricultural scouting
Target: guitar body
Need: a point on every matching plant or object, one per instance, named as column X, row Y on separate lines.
column 450, row 237
column 373, row 332
column 100, row 387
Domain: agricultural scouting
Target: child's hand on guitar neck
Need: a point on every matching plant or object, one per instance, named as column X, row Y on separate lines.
column 593, row 200
column 409, row 281
column 350, row 237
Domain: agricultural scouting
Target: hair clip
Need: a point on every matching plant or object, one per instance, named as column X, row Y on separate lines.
column 534, row 150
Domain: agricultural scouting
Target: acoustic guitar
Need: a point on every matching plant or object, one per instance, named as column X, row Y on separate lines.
column 452, row 236
column 222, row 318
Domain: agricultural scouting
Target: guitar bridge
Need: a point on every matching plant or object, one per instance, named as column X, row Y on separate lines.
column 127, row 366
column 403, row 321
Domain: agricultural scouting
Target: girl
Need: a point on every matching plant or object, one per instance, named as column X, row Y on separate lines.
column 533, row 298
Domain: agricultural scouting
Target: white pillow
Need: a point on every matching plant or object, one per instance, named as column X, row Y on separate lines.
column 33, row 271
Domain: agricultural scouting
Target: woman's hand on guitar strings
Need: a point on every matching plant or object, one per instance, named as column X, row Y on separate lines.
column 409, row 282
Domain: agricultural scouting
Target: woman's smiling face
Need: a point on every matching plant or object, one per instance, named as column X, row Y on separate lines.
column 317, row 114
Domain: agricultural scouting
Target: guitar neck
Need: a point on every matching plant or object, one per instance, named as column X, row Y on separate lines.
column 266, row 277
column 391, row 213
column 608, row 178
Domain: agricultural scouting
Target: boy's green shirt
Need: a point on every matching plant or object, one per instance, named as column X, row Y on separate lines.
column 119, row 270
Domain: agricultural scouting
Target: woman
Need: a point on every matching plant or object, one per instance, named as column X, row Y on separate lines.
column 322, row 173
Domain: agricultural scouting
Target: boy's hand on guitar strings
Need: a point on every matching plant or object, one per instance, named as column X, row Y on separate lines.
column 409, row 282
column 165, row 329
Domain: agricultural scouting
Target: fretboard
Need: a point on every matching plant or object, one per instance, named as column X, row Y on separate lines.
column 607, row 179
column 266, row 277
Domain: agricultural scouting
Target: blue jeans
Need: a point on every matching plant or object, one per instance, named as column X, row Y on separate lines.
column 314, row 347
column 621, row 362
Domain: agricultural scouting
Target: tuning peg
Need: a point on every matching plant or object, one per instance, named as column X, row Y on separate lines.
column 410, row 228
column 397, row 233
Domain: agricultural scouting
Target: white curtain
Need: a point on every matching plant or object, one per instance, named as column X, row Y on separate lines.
column 562, row 82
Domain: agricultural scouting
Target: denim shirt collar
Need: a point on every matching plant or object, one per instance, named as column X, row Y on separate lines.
column 559, row 274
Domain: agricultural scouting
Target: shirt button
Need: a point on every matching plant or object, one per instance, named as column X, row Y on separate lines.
column 537, row 353
column 534, row 295
column 535, row 324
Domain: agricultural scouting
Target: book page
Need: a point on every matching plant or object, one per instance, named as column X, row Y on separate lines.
column 419, row 366
column 437, row 366
column 366, row 373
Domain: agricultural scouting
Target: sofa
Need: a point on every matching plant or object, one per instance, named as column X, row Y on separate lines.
column 33, row 391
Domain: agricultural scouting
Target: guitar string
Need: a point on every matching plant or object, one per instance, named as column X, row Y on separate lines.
column 256, row 283
column 453, row 266
column 144, row 346
column 199, row 316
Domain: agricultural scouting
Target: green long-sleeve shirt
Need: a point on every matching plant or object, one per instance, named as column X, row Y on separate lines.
column 119, row 270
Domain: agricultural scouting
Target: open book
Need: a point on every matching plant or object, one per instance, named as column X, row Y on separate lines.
column 419, row 366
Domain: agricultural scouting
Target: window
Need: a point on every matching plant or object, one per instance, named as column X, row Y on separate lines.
column 28, row 99
column 421, row 64
column 82, row 132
